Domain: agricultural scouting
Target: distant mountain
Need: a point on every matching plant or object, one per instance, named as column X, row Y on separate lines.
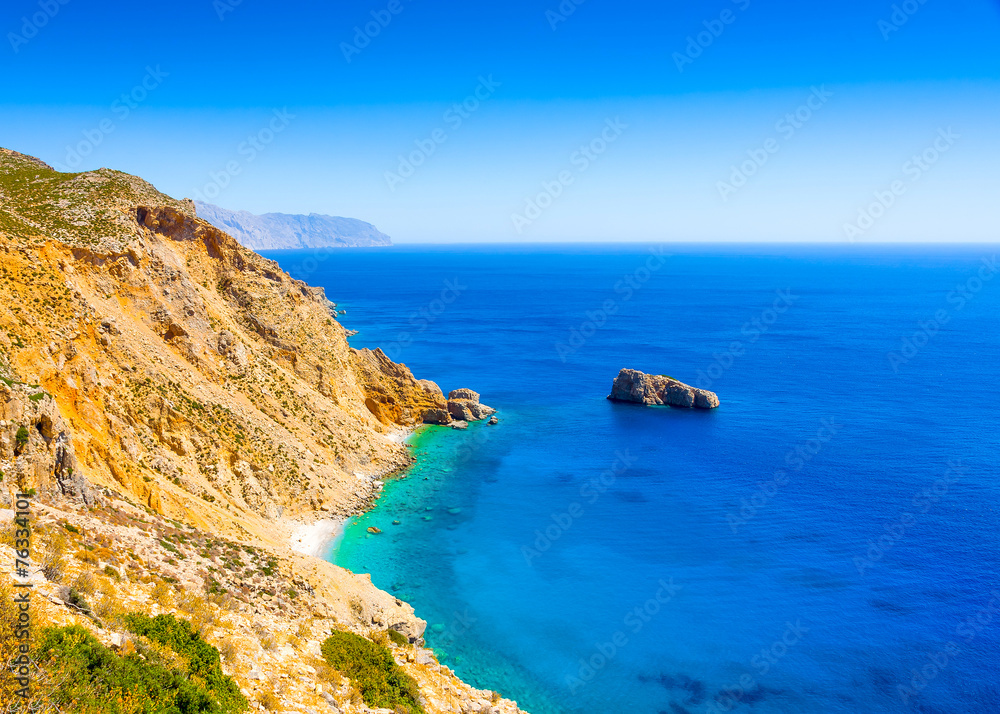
column 281, row 231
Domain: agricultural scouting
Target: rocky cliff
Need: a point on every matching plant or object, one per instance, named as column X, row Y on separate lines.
column 631, row 385
column 283, row 231
column 153, row 369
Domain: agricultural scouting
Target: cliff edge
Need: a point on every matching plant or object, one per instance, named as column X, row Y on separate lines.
column 176, row 406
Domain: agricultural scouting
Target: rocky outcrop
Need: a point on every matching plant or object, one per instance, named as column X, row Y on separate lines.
column 392, row 394
column 463, row 405
column 35, row 447
column 631, row 385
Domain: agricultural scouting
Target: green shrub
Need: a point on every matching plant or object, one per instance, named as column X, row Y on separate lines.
column 21, row 438
column 372, row 671
column 203, row 662
column 76, row 599
column 91, row 679
column 398, row 637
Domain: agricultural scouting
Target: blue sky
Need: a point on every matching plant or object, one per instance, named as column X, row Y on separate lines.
column 729, row 120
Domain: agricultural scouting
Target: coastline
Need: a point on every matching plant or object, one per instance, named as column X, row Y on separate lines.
column 318, row 538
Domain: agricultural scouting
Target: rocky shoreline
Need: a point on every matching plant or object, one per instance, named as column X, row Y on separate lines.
column 192, row 415
column 463, row 406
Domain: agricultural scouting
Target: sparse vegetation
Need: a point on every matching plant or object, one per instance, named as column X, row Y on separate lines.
column 201, row 660
column 53, row 559
column 141, row 682
column 76, row 599
column 372, row 670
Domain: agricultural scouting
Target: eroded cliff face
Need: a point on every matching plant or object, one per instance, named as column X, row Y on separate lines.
column 180, row 399
column 36, row 450
column 192, row 374
column 173, row 400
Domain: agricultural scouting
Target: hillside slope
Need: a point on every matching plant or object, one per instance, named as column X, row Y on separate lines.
column 160, row 383
column 284, row 231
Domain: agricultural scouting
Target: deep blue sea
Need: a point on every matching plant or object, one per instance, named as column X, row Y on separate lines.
column 828, row 540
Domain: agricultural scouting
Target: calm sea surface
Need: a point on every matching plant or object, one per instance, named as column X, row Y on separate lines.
column 828, row 540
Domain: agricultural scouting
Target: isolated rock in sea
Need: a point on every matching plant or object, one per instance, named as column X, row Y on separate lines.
column 493, row 420
column 461, row 425
column 631, row 385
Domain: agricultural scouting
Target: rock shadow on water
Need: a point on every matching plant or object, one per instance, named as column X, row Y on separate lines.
column 817, row 578
column 732, row 699
column 892, row 607
column 884, row 680
column 630, row 496
column 694, row 689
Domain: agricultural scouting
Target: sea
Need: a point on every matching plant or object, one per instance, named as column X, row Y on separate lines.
column 827, row 540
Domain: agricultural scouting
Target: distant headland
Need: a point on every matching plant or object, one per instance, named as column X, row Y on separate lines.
column 284, row 231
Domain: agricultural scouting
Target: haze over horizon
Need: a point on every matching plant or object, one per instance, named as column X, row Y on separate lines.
column 726, row 121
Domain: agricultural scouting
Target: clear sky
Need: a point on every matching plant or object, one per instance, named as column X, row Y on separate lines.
column 727, row 120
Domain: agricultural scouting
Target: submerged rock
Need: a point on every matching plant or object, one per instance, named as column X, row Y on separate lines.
column 631, row 385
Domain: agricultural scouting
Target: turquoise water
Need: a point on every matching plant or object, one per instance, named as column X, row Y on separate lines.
column 828, row 540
